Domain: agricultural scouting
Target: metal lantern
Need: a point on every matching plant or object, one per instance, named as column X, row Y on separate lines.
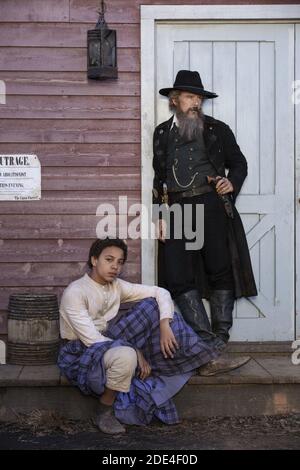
column 102, row 50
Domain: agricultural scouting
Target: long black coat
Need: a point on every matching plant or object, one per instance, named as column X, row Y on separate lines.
column 224, row 153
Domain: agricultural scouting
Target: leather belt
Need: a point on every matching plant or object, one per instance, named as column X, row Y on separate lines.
column 176, row 196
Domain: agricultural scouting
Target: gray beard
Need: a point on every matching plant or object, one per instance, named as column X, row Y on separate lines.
column 190, row 128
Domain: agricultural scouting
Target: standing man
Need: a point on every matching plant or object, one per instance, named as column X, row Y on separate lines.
column 191, row 153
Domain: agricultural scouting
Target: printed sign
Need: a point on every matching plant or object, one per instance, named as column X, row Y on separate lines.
column 20, row 178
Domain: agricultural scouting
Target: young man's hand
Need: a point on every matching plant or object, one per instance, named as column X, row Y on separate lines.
column 144, row 366
column 168, row 343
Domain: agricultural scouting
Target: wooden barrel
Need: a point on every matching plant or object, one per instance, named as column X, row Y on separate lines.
column 33, row 329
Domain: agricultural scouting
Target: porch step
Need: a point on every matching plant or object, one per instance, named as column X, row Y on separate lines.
column 264, row 386
column 261, row 348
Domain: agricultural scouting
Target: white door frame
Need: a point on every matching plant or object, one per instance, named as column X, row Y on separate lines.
column 150, row 15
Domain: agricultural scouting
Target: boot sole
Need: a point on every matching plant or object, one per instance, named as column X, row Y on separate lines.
column 222, row 371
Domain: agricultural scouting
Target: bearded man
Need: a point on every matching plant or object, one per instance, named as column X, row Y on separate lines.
column 191, row 151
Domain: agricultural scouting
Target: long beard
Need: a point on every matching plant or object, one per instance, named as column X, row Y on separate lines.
column 190, row 127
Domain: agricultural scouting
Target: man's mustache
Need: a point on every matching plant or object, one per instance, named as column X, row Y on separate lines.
column 195, row 108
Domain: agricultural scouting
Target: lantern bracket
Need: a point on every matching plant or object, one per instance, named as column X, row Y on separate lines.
column 101, row 23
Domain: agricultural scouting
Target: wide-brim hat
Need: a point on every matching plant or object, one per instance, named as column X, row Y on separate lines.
column 190, row 82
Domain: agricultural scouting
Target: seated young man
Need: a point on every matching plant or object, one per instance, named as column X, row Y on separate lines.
column 135, row 362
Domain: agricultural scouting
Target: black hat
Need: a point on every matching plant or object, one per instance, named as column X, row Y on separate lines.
column 188, row 81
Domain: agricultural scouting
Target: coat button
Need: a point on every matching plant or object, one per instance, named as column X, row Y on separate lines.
column 161, row 131
column 190, row 158
column 191, row 149
column 210, row 128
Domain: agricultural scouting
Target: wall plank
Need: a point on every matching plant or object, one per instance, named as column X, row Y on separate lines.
column 69, row 83
column 34, row 10
column 81, row 11
column 119, row 11
column 16, row 227
column 68, row 202
column 59, row 250
column 72, row 131
column 83, row 178
column 5, row 292
column 62, row 58
column 70, row 107
column 62, row 34
column 98, row 155
column 128, row 11
column 51, row 274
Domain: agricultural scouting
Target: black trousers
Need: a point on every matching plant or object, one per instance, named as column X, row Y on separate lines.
column 181, row 264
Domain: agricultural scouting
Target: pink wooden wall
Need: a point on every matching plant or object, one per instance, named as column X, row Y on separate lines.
column 86, row 135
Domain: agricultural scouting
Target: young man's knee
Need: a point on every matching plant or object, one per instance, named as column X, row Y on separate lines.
column 120, row 364
column 128, row 360
column 122, row 359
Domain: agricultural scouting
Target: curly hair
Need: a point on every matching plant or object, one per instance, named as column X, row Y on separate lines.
column 99, row 244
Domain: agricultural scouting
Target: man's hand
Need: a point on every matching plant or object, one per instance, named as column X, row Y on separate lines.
column 168, row 343
column 223, row 185
column 144, row 366
column 161, row 230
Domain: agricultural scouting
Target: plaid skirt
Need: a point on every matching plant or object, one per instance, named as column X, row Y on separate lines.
column 139, row 328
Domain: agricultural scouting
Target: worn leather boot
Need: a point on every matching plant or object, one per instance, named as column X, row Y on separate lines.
column 194, row 313
column 106, row 421
column 221, row 307
column 222, row 365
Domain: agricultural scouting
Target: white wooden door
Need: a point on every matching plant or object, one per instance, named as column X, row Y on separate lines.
column 250, row 67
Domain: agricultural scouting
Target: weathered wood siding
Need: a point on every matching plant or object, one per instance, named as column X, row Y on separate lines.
column 86, row 135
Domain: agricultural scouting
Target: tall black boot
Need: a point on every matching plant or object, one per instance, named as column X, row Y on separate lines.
column 194, row 313
column 221, row 307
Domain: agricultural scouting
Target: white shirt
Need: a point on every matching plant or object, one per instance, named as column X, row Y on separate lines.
column 174, row 122
column 86, row 306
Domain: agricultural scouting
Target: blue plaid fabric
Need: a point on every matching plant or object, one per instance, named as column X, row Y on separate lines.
column 138, row 328
column 78, row 363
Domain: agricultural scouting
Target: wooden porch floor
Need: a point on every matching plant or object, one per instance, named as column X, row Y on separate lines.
column 268, row 384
